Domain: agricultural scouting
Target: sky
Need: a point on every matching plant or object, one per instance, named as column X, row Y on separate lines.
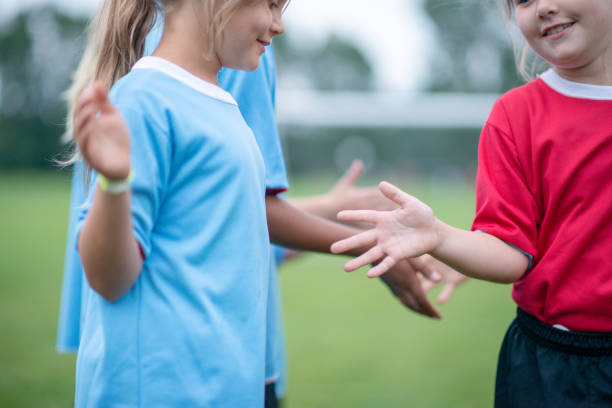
column 395, row 35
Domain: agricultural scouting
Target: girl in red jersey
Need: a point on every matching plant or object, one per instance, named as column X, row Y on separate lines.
column 543, row 212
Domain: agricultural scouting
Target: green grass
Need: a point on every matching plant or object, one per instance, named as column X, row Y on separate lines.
column 351, row 344
column 33, row 222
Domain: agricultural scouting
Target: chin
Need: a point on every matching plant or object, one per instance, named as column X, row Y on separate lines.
column 250, row 65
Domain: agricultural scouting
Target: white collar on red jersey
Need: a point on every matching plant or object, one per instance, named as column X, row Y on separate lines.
column 185, row 77
column 576, row 89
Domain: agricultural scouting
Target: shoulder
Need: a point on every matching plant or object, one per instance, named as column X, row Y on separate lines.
column 147, row 94
column 519, row 97
column 139, row 85
column 515, row 107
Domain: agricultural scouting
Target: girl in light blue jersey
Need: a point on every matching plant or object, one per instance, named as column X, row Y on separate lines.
column 175, row 318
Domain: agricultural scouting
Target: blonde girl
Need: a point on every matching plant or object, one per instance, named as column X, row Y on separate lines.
column 175, row 317
column 544, row 199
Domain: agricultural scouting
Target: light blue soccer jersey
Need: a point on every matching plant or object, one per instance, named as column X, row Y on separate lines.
column 191, row 330
column 255, row 94
column 68, row 331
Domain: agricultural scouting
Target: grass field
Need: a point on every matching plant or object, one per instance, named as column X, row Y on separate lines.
column 350, row 343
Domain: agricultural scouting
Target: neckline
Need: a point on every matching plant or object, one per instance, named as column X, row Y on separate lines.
column 180, row 74
column 576, row 89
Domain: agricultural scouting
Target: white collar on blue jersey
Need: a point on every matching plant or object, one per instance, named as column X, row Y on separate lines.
column 576, row 89
column 185, row 77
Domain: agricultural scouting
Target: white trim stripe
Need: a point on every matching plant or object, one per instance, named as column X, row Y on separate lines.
column 576, row 89
column 185, row 77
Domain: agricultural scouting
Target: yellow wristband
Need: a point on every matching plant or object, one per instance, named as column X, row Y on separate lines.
column 115, row 187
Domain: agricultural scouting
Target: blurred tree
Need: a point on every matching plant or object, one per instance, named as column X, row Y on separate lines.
column 474, row 52
column 340, row 65
column 335, row 65
column 38, row 52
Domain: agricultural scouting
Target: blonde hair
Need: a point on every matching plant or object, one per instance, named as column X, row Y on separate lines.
column 528, row 63
column 116, row 41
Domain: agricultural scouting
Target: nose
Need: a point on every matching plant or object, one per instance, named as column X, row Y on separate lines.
column 546, row 8
column 277, row 27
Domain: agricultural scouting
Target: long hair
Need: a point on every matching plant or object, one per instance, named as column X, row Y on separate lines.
column 116, row 41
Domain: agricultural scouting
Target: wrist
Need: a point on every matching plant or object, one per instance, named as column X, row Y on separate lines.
column 441, row 233
column 113, row 186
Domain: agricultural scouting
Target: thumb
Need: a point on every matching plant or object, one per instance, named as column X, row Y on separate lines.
column 101, row 97
column 352, row 175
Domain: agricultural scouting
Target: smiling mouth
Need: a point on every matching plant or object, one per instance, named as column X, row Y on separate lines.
column 264, row 43
column 556, row 29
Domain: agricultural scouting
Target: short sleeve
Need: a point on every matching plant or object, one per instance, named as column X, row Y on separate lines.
column 150, row 161
column 505, row 206
column 255, row 94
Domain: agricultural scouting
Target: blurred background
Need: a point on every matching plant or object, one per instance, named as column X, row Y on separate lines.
column 404, row 85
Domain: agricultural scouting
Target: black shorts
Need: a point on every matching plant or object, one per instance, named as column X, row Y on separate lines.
column 271, row 400
column 544, row 367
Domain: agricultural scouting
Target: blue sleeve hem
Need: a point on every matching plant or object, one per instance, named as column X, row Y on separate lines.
column 527, row 254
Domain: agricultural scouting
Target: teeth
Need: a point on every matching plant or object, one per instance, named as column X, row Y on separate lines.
column 558, row 29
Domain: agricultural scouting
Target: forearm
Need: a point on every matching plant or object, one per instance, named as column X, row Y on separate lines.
column 290, row 226
column 320, row 205
column 108, row 250
column 479, row 255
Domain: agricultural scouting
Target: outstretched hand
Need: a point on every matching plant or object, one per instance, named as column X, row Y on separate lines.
column 405, row 284
column 406, row 232
column 411, row 279
column 101, row 134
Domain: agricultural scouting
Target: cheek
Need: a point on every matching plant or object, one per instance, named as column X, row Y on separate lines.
column 526, row 25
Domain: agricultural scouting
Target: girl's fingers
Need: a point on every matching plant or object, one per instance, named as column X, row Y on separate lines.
column 100, row 96
column 350, row 178
column 427, row 285
column 368, row 257
column 362, row 239
column 412, row 303
column 395, row 194
column 86, row 97
column 446, row 293
column 426, row 265
column 382, row 267
column 83, row 117
column 83, row 143
column 367, row 216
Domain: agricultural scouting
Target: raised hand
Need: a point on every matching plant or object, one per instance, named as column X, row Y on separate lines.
column 347, row 196
column 101, row 134
column 406, row 232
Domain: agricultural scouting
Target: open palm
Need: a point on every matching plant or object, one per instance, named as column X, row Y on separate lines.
column 406, row 232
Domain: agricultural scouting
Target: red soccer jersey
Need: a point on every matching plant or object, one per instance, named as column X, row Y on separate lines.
column 544, row 185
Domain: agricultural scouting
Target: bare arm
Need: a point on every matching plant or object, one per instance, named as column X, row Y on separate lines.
column 291, row 227
column 344, row 195
column 108, row 249
column 413, row 230
column 479, row 255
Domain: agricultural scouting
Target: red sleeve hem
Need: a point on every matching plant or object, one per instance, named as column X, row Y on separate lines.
column 275, row 191
column 142, row 254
